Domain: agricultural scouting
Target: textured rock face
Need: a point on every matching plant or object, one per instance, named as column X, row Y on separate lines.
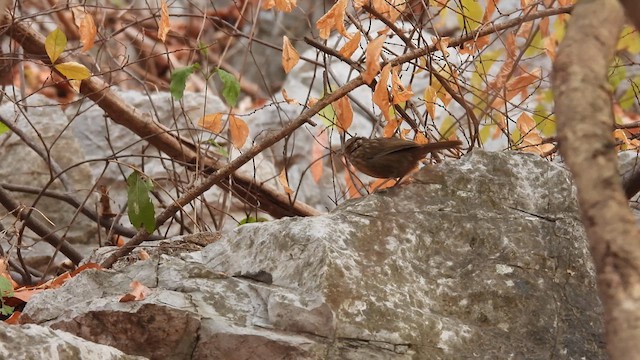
column 33, row 342
column 479, row 258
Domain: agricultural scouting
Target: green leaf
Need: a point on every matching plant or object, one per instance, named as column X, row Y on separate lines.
column 448, row 127
column 485, row 132
column 55, row 43
column 141, row 212
column 6, row 310
column 230, row 87
column 251, row 219
column 617, row 73
column 3, row 128
column 470, row 14
column 6, row 288
column 179, row 80
column 219, row 148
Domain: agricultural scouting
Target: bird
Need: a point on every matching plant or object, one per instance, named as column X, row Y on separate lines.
column 390, row 157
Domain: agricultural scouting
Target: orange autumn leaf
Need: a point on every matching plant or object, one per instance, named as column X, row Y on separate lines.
column 398, row 91
column 25, row 294
column 441, row 44
column 391, row 127
column 490, row 9
column 286, row 97
column 372, row 63
column 351, row 46
column 165, row 25
column 212, row 122
column 317, row 153
column 389, row 9
column 138, row 292
column 421, row 139
column 380, row 184
column 334, row 18
column 344, row 113
column 282, row 5
column 290, row 56
column 13, row 319
column 352, row 188
column 525, row 124
column 381, row 93
column 88, row 32
column 282, row 178
column 238, row 130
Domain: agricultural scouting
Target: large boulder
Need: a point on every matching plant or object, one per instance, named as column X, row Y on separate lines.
column 479, row 258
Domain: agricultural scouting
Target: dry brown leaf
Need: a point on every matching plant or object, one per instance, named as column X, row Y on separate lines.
column 88, row 32
column 143, row 255
column 389, row 9
column 380, row 184
column 372, row 62
column 334, row 18
column 344, row 113
column 238, row 130
column 525, row 124
column 421, row 139
column 398, row 91
column 284, row 182
column 489, row 10
column 165, row 25
column 212, row 122
column 441, row 44
column 138, row 292
column 14, row 318
column 351, row 46
column 317, row 152
column 282, row 5
column 381, row 93
column 286, row 97
column 290, row 56
column 391, row 127
column 352, row 188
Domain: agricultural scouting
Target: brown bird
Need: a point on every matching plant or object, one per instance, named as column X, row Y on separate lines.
column 390, row 157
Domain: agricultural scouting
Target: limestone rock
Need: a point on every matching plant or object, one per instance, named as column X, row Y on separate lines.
column 480, row 258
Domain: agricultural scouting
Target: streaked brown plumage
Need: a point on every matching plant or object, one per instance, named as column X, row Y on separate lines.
column 390, row 157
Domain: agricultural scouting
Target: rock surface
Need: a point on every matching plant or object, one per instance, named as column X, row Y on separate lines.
column 479, row 258
column 34, row 342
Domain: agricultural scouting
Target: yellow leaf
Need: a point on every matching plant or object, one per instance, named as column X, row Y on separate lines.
column 351, row 46
column 470, row 14
column 334, row 18
column 165, row 25
column 88, row 32
column 381, row 93
column 290, row 56
column 372, row 63
column 430, row 101
column 344, row 113
column 75, row 85
column 73, row 70
column 239, row 131
column 212, row 122
column 283, row 181
column 54, row 44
